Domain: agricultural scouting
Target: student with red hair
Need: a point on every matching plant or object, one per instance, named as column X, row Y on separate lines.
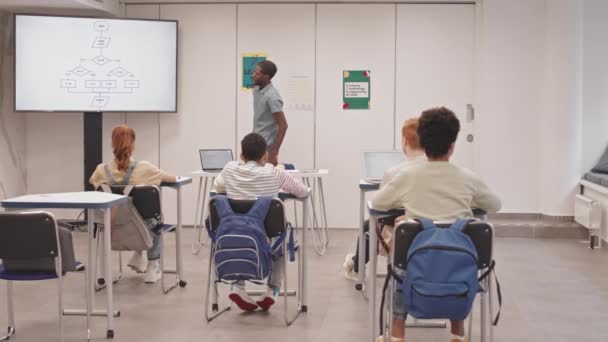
column 138, row 173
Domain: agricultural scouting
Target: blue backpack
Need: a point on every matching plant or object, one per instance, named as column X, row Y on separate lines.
column 242, row 250
column 441, row 273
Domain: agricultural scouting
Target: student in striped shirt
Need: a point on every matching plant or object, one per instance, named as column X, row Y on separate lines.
column 251, row 178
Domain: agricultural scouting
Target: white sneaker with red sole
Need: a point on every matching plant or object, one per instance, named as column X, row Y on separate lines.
column 268, row 299
column 239, row 297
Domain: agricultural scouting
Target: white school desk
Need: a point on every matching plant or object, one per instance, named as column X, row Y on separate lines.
column 89, row 200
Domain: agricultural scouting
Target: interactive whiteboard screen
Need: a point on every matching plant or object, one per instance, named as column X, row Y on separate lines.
column 95, row 64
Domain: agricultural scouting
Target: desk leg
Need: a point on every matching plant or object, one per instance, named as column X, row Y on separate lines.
column 305, row 225
column 196, row 246
column 361, row 273
column 88, row 272
column 108, row 271
column 206, row 188
column 178, row 238
column 371, row 286
column 323, row 209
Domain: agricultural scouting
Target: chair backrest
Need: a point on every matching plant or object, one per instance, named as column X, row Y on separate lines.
column 146, row 199
column 28, row 235
column 481, row 234
column 275, row 219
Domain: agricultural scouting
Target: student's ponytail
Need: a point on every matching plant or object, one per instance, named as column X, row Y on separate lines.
column 123, row 139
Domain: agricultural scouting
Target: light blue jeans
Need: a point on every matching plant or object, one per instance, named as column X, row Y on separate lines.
column 153, row 226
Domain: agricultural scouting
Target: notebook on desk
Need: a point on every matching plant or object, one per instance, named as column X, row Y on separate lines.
column 376, row 162
column 214, row 160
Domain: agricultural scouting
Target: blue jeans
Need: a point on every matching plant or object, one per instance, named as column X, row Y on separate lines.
column 154, row 251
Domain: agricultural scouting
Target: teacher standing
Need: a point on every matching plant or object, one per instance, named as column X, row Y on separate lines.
column 268, row 117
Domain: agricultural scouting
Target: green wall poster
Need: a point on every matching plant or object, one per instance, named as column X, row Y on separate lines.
column 250, row 60
column 356, row 89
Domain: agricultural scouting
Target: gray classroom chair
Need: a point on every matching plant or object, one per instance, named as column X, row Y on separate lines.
column 147, row 200
column 275, row 224
column 24, row 238
column 482, row 236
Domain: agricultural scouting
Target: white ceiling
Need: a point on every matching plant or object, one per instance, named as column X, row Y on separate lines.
column 61, row 6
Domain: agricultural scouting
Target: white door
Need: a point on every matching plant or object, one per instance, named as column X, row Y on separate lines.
column 435, row 51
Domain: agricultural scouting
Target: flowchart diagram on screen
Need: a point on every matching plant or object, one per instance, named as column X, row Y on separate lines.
column 101, row 75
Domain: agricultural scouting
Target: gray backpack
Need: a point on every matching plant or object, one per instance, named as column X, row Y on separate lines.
column 129, row 230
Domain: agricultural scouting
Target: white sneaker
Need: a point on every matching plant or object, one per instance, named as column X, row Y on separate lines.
column 153, row 272
column 241, row 298
column 138, row 262
column 349, row 268
column 268, row 299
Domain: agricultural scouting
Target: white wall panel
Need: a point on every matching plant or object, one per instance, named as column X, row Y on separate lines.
column 206, row 95
column 146, row 125
column 352, row 37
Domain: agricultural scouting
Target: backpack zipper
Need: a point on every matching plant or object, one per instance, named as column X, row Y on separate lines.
column 443, row 248
column 464, row 294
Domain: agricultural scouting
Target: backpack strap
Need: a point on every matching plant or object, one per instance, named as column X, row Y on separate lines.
column 491, row 270
column 260, row 208
column 111, row 179
column 223, row 206
column 291, row 245
column 125, row 180
column 106, row 188
column 390, row 274
column 460, row 224
column 426, row 223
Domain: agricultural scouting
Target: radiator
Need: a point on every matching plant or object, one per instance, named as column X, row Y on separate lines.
column 587, row 212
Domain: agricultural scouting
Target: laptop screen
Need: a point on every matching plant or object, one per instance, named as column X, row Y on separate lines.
column 215, row 160
column 375, row 163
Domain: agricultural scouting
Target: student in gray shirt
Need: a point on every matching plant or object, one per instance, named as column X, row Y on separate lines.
column 268, row 117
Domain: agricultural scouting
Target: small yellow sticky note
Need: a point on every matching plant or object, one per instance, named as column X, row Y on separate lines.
column 346, row 74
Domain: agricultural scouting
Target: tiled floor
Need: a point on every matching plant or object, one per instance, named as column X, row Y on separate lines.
column 554, row 290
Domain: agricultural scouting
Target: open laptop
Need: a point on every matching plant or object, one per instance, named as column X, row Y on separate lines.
column 214, row 160
column 376, row 162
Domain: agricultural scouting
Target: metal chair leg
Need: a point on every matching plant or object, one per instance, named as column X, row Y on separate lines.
column 60, row 286
column 211, row 280
column 289, row 320
column 11, row 312
column 469, row 332
column 100, row 284
column 483, row 321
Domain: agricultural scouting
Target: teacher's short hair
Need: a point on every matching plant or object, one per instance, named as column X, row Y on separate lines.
column 253, row 146
column 268, row 68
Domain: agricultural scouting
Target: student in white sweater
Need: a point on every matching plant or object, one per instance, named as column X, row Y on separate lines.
column 414, row 155
column 436, row 189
